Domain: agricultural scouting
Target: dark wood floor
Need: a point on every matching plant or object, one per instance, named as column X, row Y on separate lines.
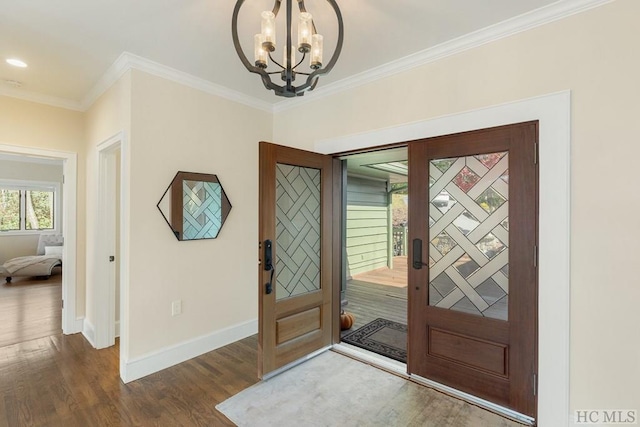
column 62, row 381
column 49, row 379
column 29, row 309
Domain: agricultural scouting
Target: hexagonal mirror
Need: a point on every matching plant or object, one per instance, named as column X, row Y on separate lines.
column 195, row 206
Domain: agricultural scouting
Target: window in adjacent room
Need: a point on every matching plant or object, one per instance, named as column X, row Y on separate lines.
column 26, row 207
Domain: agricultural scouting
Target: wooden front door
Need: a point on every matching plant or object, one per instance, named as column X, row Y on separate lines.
column 295, row 271
column 472, row 254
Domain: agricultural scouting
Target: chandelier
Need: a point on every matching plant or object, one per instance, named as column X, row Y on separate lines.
column 304, row 59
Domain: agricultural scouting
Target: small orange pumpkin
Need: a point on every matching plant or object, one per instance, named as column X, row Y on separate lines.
column 346, row 320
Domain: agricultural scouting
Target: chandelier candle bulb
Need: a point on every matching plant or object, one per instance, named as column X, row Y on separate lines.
column 316, row 51
column 304, row 32
column 269, row 31
column 261, row 56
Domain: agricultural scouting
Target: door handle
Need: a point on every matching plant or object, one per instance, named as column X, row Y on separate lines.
column 268, row 265
column 417, row 254
column 268, row 257
column 111, row 258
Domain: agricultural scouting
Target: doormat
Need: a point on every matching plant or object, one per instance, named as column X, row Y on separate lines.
column 333, row 390
column 381, row 336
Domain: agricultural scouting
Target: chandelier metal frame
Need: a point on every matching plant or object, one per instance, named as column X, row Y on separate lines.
column 288, row 71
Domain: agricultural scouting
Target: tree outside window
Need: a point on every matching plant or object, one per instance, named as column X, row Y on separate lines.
column 39, row 210
column 30, row 210
column 9, row 210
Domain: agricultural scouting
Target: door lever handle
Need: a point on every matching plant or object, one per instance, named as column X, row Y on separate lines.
column 268, row 255
column 268, row 265
column 417, row 254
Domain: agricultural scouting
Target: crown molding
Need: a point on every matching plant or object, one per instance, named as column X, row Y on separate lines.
column 40, row 98
column 119, row 67
column 535, row 18
column 127, row 61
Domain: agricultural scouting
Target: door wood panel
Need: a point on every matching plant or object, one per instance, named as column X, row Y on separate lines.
column 299, row 324
column 480, row 354
column 296, row 207
column 491, row 357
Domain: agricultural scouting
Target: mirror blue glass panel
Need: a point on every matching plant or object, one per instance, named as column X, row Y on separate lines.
column 195, row 206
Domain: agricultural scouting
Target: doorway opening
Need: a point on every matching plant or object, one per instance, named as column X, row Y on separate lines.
column 67, row 208
column 553, row 113
column 31, row 245
column 374, row 282
column 473, row 232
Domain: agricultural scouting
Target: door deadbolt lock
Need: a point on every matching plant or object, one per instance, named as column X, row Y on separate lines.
column 111, row 258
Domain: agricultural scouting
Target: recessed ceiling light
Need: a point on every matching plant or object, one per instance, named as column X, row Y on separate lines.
column 16, row 62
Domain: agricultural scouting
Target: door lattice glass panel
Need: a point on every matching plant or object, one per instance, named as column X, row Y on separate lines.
column 469, row 234
column 297, row 230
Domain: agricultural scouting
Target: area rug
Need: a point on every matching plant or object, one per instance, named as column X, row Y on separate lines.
column 381, row 336
column 335, row 390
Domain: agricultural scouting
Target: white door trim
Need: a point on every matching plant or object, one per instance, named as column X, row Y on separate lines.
column 554, row 113
column 70, row 323
column 103, row 284
column 104, row 305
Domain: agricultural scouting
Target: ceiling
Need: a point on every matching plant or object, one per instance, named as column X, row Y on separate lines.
column 70, row 44
column 372, row 164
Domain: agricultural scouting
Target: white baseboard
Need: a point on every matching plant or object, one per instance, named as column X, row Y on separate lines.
column 78, row 326
column 142, row 366
column 117, row 328
column 89, row 332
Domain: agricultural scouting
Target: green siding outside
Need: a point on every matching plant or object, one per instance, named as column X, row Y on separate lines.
column 369, row 249
column 368, row 240
column 366, row 265
column 367, row 236
column 359, row 212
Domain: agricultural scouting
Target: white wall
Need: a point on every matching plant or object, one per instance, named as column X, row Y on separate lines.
column 27, row 124
column 12, row 246
column 593, row 54
column 177, row 128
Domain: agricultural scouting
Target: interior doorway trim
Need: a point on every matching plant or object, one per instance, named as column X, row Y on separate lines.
column 70, row 323
column 554, row 114
column 104, row 291
column 103, row 312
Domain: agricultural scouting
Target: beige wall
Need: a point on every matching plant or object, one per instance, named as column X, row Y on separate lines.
column 27, row 124
column 12, row 246
column 176, row 128
column 594, row 54
column 108, row 116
